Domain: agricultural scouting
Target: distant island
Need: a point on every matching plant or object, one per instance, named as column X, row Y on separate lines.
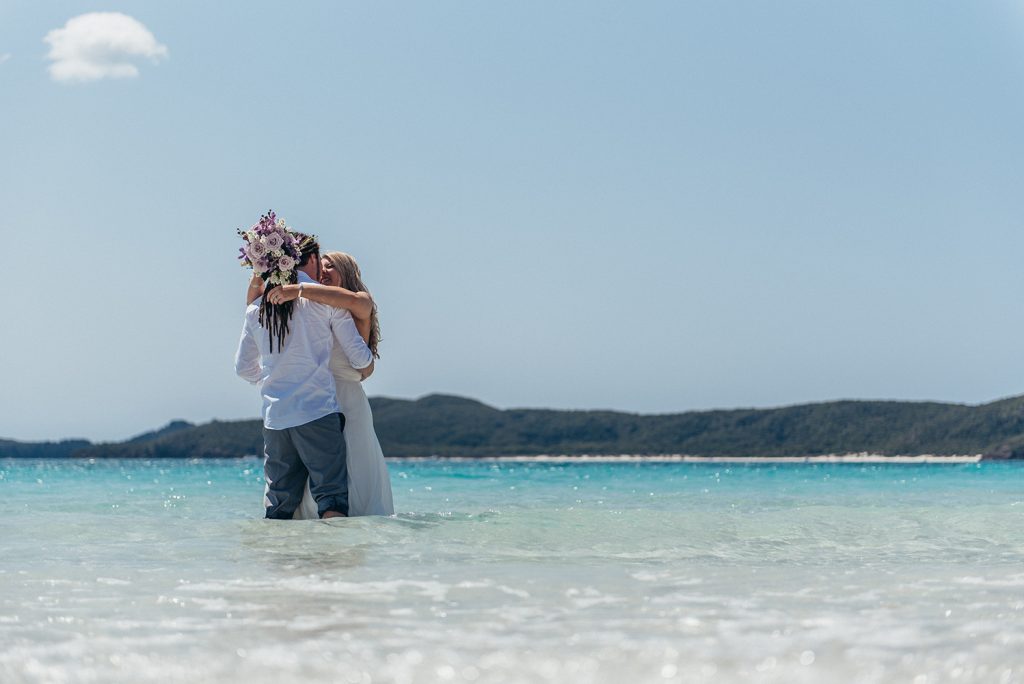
column 448, row 426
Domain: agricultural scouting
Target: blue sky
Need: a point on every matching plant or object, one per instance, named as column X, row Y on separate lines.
column 648, row 207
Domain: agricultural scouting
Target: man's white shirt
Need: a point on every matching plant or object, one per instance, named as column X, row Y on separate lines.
column 295, row 380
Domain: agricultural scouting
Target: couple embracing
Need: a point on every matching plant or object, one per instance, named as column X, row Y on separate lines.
column 309, row 339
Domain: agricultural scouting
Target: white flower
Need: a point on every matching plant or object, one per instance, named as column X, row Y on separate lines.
column 281, row 223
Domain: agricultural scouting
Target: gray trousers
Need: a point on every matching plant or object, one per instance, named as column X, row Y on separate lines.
column 315, row 450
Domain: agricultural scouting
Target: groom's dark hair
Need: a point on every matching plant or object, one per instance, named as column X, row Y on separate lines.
column 308, row 246
column 275, row 317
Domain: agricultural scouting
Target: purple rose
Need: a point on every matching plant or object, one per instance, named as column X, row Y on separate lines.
column 256, row 250
column 273, row 241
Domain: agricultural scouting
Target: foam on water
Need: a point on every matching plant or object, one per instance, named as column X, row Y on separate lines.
column 498, row 572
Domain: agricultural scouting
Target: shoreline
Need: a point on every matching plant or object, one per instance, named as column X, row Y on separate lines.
column 683, row 458
column 859, row 458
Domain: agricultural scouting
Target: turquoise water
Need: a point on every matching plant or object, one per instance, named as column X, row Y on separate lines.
column 163, row 571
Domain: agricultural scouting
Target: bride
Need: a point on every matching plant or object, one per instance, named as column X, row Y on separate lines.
column 369, row 485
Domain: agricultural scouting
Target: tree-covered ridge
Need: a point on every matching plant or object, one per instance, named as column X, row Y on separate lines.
column 453, row 426
column 11, row 449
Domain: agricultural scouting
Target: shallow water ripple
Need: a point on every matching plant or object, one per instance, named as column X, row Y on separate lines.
column 162, row 571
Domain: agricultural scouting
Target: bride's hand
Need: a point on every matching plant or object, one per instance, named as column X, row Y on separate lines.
column 283, row 293
column 255, row 289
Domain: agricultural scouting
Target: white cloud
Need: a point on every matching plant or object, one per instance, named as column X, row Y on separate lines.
column 100, row 45
column 4, row 57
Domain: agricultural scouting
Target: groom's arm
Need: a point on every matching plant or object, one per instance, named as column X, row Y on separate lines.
column 348, row 337
column 366, row 372
column 247, row 358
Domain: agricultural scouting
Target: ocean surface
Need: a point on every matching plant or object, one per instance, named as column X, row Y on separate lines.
column 516, row 572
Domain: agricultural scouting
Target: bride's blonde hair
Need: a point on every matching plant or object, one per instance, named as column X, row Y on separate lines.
column 352, row 279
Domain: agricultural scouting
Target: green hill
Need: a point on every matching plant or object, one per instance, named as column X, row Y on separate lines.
column 453, row 426
column 11, row 449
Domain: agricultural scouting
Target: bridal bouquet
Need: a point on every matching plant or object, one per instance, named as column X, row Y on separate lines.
column 271, row 249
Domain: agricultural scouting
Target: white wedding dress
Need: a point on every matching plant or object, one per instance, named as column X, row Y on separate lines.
column 369, row 485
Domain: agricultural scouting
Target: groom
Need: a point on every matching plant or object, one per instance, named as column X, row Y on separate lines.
column 302, row 425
